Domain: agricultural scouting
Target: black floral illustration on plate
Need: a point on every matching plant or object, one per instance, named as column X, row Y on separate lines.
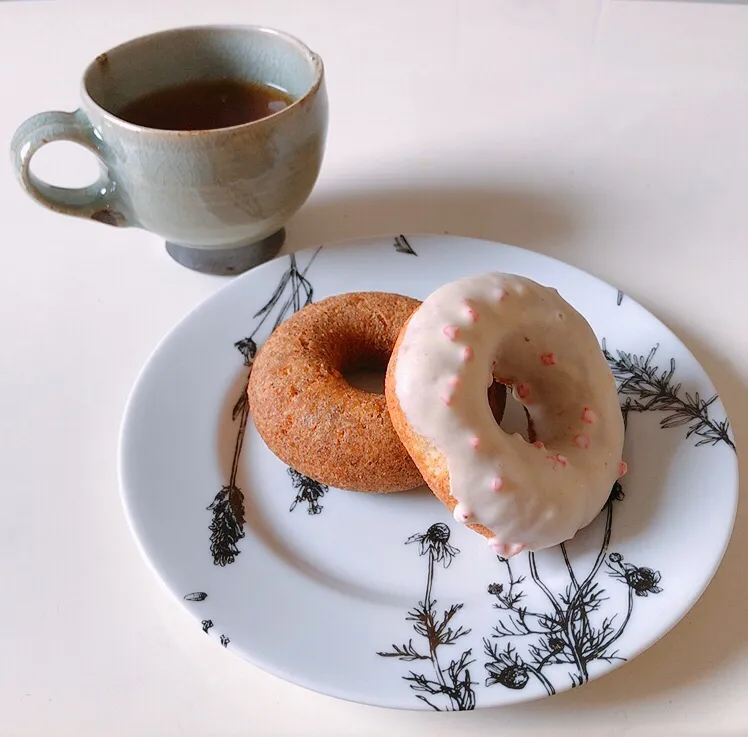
column 443, row 688
column 646, row 388
column 619, row 297
column 641, row 581
column 293, row 292
column 403, row 246
column 196, row 596
column 206, row 624
column 573, row 630
column 308, row 490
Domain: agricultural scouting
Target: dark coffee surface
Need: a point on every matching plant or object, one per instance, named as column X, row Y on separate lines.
column 205, row 104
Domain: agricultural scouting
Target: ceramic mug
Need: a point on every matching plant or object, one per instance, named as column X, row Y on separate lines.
column 220, row 197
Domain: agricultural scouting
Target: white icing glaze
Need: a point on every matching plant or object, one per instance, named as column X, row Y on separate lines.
column 531, row 496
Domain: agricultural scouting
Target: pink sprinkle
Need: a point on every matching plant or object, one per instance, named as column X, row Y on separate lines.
column 450, row 331
column 467, row 354
column 588, row 416
column 582, row 441
column 548, row 359
column 523, row 391
column 539, row 444
column 622, row 468
column 454, row 380
column 557, row 459
column 497, row 484
column 471, row 311
column 499, row 294
column 446, row 399
column 475, row 441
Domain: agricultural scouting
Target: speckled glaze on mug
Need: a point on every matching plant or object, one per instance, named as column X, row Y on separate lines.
column 212, row 194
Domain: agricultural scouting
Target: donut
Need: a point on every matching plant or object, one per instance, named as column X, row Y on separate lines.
column 311, row 417
column 519, row 495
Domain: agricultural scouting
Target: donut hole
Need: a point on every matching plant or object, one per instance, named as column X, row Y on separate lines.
column 366, row 371
column 516, row 419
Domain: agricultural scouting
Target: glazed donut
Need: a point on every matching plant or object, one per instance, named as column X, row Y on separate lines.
column 519, row 495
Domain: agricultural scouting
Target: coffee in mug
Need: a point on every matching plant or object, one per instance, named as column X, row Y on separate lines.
column 205, row 104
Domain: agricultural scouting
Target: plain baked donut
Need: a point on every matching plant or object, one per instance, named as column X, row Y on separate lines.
column 519, row 495
column 310, row 416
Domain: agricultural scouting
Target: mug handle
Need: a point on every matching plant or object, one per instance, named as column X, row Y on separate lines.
column 98, row 201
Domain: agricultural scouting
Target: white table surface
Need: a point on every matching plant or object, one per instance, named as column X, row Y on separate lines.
column 612, row 134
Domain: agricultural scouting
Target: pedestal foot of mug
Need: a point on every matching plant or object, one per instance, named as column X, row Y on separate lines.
column 229, row 261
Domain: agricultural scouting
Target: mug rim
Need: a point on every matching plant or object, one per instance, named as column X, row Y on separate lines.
column 314, row 58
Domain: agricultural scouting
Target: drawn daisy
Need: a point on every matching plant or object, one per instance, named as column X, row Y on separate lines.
column 642, row 580
column 511, row 676
column 435, row 542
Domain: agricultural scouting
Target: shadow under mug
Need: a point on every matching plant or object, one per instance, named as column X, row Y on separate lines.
column 219, row 197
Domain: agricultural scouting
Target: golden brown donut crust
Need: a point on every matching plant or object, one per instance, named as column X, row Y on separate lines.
column 429, row 460
column 310, row 416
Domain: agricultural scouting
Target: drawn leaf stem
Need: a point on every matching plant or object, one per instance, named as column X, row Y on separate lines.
column 453, row 681
column 603, row 646
column 227, row 524
column 647, row 388
column 542, row 586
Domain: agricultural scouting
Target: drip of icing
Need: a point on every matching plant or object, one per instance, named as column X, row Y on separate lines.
column 461, row 513
column 506, row 550
column 545, row 497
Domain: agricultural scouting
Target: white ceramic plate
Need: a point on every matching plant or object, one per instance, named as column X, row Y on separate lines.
column 386, row 599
